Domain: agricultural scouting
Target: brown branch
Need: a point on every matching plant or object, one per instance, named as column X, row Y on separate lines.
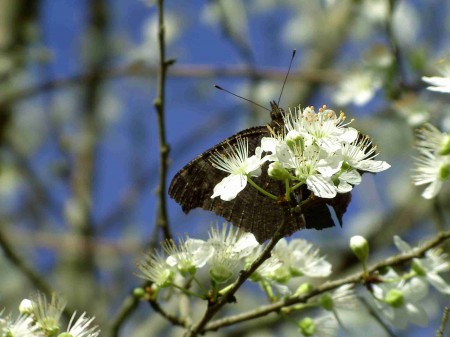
column 159, row 104
column 327, row 286
column 171, row 318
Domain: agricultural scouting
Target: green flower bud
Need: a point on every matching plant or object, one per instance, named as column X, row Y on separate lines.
column 307, row 327
column 277, row 171
column 444, row 171
column 220, row 275
column 326, row 301
column 418, row 268
column 304, row 288
column 394, row 298
column 65, row 334
column 445, row 147
column 139, row 292
column 360, row 247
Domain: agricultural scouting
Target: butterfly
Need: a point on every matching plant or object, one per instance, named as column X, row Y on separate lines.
column 252, row 211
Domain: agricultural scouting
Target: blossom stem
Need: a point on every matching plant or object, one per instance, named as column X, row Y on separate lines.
column 200, row 285
column 187, row 292
column 288, row 190
column 260, row 189
column 297, row 185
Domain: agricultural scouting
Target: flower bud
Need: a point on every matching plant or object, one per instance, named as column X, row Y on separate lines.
column 307, row 327
column 304, row 288
column 444, row 171
column 277, row 171
column 418, row 268
column 139, row 292
column 26, row 306
column 294, row 139
column 394, row 298
column 445, row 146
column 360, row 247
column 326, row 301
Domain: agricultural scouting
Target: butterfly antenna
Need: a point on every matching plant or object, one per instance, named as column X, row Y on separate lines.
column 245, row 99
column 287, row 74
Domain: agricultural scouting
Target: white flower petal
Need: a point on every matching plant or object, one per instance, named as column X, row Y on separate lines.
column 321, row 187
column 438, row 282
column 401, row 245
column 230, row 186
column 416, row 314
column 432, row 190
column 372, row 165
column 349, row 135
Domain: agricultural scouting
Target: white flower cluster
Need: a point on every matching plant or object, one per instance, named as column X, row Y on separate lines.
column 318, row 149
column 433, row 162
column 40, row 318
column 399, row 298
column 227, row 251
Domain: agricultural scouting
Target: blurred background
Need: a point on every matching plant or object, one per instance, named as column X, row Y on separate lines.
column 79, row 149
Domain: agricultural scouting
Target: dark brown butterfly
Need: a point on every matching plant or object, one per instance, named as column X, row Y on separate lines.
column 252, row 211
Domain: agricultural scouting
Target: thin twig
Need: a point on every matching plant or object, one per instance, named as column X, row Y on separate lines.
column 127, row 307
column 327, row 286
column 171, row 318
column 159, row 104
column 440, row 332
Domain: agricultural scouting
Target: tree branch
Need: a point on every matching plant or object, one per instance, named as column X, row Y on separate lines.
column 327, row 286
column 159, row 104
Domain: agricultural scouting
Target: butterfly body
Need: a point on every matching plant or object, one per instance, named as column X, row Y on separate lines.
column 252, row 211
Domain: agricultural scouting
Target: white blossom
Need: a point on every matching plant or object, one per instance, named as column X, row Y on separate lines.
column 188, row 255
column 299, row 258
column 23, row 326
column 428, row 267
column 81, row 328
column 231, row 246
column 324, row 326
column 154, row 268
column 432, row 165
column 401, row 302
column 239, row 166
column 358, row 87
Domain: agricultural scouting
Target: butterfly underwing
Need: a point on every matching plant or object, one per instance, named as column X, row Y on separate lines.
column 252, row 211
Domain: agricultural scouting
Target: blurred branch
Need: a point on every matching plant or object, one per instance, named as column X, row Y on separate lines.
column 328, row 46
column 82, row 177
column 237, row 40
column 180, row 71
column 440, row 332
column 327, row 286
column 33, row 277
column 42, row 198
column 159, row 104
column 128, row 306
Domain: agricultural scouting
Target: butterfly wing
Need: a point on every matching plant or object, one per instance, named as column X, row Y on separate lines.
column 252, row 211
